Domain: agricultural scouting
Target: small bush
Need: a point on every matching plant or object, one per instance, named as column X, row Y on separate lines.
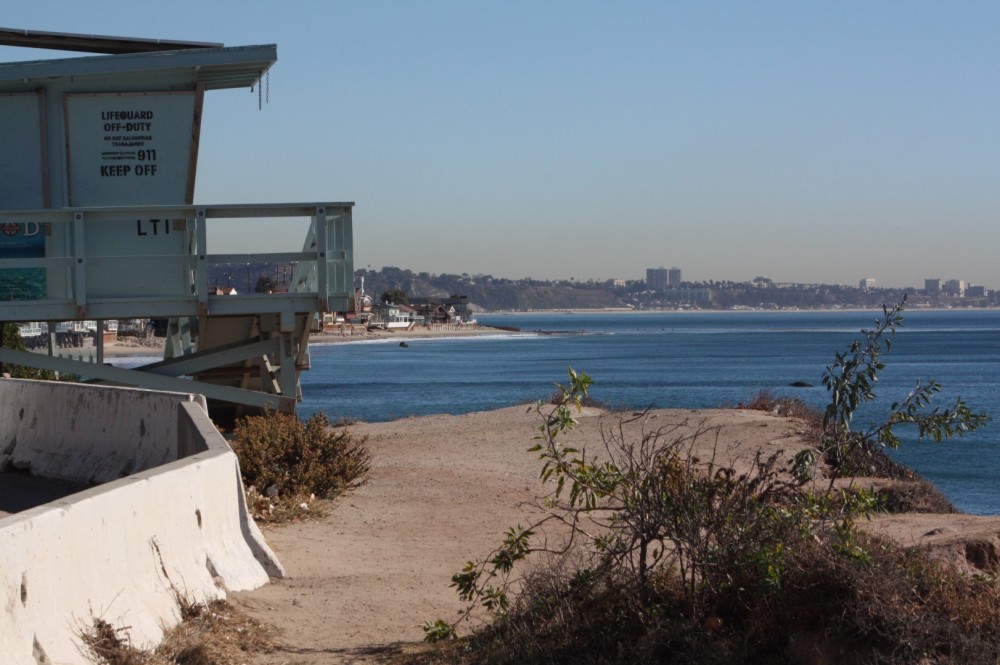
column 282, row 458
column 784, row 406
column 914, row 496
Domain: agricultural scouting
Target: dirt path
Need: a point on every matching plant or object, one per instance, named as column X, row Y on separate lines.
column 443, row 490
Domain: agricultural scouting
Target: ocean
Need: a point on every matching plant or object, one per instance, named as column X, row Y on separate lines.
column 682, row 360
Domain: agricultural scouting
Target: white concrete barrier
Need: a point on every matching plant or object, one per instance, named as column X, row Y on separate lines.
column 89, row 434
column 124, row 551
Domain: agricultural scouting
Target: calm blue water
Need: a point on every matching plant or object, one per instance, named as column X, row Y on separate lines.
column 688, row 360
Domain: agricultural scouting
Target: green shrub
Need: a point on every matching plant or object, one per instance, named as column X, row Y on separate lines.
column 281, row 456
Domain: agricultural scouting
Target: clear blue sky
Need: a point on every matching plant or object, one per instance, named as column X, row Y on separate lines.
column 813, row 142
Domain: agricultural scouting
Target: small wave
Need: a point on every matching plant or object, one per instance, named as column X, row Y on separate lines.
column 130, row 362
column 424, row 340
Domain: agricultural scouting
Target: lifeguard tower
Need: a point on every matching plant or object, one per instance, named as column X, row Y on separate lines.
column 98, row 156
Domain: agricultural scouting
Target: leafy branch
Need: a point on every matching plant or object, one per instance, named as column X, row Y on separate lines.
column 851, row 380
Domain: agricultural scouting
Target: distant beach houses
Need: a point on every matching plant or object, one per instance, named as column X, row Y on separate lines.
column 452, row 310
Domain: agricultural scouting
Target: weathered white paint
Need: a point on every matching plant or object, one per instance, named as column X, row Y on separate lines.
column 126, row 550
column 88, row 434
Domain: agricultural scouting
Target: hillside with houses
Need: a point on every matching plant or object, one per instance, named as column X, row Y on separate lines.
column 484, row 293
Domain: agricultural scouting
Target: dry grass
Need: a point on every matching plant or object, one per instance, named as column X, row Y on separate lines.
column 216, row 633
column 284, row 509
column 901, row 607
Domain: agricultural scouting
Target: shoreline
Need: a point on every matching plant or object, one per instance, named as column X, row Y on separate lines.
column 154, row 349
column 365, row 335
column 646, row 312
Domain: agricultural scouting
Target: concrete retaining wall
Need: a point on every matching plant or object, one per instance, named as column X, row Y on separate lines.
column 88, row 434
column 126, row 550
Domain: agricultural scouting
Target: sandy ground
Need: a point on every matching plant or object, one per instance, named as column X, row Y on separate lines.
column 443, row 490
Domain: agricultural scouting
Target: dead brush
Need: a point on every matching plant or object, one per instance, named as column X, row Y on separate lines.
column 216, row 633
column 108, row 645
column 915, row 496
column 281, row 509
column 788, row 407
column 213, row 633
column 901, row 606
column 287, row 464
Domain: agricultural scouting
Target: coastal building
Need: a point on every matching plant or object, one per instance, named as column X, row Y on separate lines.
column 453, row 309
column 976, row 291
column 867, row 284
column 954, row 287
column 656, row 279
column 394, row 317
column 699, row 296
column 932, row 286
column 661, row 279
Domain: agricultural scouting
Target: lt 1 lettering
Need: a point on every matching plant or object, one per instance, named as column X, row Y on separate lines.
column 152, row 227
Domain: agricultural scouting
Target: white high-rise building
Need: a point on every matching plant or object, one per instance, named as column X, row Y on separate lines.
column 954, row 287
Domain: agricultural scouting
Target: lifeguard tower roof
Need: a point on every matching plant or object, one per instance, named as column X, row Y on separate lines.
column 211, row 64
column 64, row 41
